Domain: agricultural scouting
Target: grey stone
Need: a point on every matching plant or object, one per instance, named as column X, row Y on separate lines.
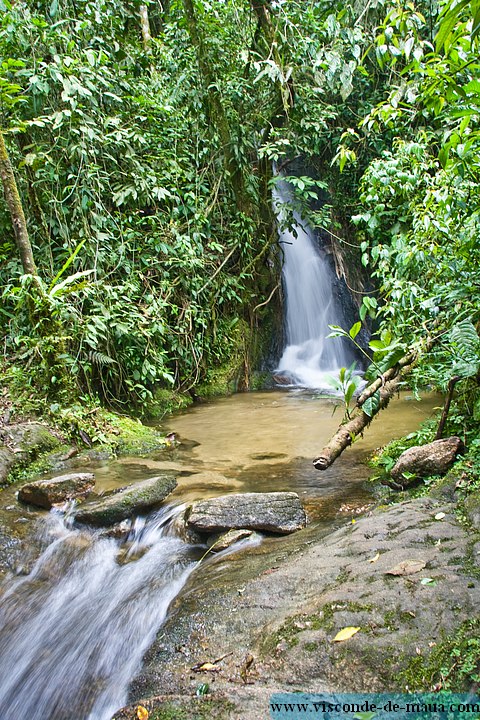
column 7, row 460
column 277, row 512
column 226, row 540
column 472, row 508
column 45, row 493
column 285, row 602
column 127, row 502
column 436, row 458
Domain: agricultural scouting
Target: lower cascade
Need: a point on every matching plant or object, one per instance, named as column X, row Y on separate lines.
column 310, row 306
column 75, row 629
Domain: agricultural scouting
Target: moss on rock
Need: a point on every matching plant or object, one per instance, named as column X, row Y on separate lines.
column 127, row 502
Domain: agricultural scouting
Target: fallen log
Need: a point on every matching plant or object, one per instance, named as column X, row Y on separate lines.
column 386, row 385
column 359, row 420
column 371, row 389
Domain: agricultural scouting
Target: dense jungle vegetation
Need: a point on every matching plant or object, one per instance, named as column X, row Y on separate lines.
column 138, row 252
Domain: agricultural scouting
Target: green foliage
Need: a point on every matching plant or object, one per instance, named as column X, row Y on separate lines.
column 345, row 385
column 123, row 189
column 146, row 181
column 453, row 664
column 385, row 458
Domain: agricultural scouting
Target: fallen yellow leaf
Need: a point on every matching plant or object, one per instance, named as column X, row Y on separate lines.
column 142, row 713
column 375, row 558
column 345, row 634
column 208, row 667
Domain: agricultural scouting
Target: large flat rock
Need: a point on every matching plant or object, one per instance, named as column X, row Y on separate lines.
column 282, row 604
column 277, row 512
column 45, row 493
column 127, row 502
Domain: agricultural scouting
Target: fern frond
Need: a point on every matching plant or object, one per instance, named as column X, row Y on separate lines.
column 100, row 358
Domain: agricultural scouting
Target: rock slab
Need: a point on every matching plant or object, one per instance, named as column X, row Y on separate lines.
column 45, row 493
column 127, row 502
column 277, row 512
column 422, row 460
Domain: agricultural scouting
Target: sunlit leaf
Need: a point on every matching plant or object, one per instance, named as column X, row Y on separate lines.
column 355, row 329
column 345, row 634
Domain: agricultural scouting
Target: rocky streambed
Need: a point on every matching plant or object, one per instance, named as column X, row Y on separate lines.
column 405, row 576
column 263, row 616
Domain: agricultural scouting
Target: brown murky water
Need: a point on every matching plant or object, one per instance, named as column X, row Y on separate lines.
column 257, row 442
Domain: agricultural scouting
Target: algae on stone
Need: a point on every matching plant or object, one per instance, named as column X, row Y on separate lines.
column 127, row 502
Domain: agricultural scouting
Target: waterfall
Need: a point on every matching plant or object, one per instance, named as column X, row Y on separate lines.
column 74, row 630
column 310, row 306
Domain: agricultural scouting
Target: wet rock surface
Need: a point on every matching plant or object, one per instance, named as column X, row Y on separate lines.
column 126, row 502
column 217, row 543
column 271, row 612
column 45, row 493
column 277, row 512
column 435, row 458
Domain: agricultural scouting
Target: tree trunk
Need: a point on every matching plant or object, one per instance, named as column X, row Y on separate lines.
column 348, row 433
column 446, row 408
column 14, row 203
column 145, row 27
column 217, row 114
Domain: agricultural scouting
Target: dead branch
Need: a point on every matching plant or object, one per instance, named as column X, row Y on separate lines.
column 386, row 385
column 347, row 433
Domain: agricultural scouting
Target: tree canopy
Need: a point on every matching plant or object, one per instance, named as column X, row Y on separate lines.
column 142, row 138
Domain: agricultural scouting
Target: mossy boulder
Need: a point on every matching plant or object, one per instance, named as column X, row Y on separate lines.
column 7, row 460
column 30, row 438
column 45, row 493
column 23, row 443
column 126, row 502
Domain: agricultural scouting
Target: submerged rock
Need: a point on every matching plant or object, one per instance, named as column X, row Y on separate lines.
column 422, row 460
column 277, row 512
column 127, row 502
column 45, row 493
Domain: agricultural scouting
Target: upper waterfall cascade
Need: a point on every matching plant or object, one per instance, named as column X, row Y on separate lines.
column 310, row 306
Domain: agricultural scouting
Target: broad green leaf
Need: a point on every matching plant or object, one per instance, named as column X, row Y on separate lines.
column 371, row 404
column 67, row 263
column 355, row 329
column 57, row 289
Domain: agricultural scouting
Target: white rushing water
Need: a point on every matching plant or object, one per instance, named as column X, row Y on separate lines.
column 74, row 630
column 310, row 307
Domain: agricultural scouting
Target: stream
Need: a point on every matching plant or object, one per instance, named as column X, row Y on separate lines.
column 77, row 620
